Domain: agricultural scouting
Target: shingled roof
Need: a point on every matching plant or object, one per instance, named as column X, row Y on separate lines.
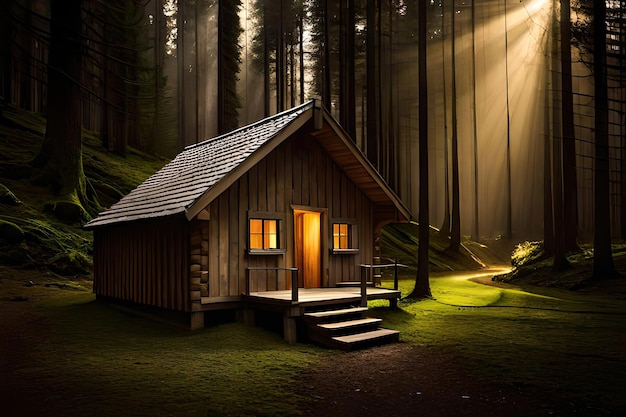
column 202, row 171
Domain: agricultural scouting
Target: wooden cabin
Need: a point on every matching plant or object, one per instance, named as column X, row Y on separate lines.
column 240, row 213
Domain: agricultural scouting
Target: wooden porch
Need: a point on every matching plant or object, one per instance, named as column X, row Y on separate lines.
column 331, row 316
column 309, row 297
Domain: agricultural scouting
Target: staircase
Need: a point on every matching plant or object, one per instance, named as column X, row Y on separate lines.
column 345, row 328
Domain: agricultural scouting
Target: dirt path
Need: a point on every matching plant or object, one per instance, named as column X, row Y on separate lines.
column 407, row 380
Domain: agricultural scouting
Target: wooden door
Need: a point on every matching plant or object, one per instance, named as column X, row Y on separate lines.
column 308, row 247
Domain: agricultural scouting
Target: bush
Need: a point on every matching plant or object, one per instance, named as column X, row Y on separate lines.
column 526, row 253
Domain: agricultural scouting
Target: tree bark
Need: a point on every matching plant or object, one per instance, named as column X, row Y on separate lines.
column 475, row 226
column 570, row 198
column 455, row 231
column 560, row 262
column 372, row 110
column 445, row 225
column 422, row 284
column 60, row 158
column 603, row 266
column 509, row 203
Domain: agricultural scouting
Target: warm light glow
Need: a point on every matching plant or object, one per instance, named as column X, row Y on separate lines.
column 263, row 234
column 341, row 232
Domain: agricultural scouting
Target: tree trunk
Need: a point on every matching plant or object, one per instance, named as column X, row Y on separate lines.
column 327, row 99
column 548, row 223
column 422, row 284
column 445, row 225
column 570, row 198
column 560, row 262
column 475, row 226
column 229, row 30
column 266, row 60
column 455, row 232
column 60, row 158
column 372, row 110
column 509, row 204
column 603, row 266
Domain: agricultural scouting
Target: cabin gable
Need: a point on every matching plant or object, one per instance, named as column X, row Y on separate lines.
column 297, row 176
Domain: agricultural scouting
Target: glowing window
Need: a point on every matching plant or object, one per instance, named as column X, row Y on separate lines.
column 341, row 236
column 264, row 234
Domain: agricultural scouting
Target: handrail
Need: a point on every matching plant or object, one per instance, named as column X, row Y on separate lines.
column 395, row 270
column 294, row 278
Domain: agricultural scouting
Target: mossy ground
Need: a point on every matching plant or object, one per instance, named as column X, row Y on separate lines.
column 50, row 243
column 70, row 352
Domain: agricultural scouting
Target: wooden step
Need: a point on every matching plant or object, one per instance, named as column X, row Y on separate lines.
column 335, row 313
column 341, row 328
column 371, row 338
column 350, row 323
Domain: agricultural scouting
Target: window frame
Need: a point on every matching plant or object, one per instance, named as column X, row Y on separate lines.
column 352, row 236
column 264, row 216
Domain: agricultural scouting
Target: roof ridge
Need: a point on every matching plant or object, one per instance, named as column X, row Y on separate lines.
column 290, row 111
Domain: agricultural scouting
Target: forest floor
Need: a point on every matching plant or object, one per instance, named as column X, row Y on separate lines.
column 410, row 380
column 61, row 354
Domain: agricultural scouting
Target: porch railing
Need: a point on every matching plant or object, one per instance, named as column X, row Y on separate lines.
column 368, row 271
column 294, row 278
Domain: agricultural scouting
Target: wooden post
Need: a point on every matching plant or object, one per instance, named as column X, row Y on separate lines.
column 290, row 330
column 364, row 286
column 294, row 284
column 290, row 324
column 196, row 321
column 248, row 316
column 395, row 275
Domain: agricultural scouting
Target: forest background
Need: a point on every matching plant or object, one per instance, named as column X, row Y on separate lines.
column 525, row 99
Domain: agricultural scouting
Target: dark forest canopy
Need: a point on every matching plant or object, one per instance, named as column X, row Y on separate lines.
column 161, row 74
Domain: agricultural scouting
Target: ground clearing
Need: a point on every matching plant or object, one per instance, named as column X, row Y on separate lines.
column 474, row 351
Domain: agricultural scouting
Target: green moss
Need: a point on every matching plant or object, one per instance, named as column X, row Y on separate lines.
column 51, row 224
column 7, row 197
column 10, row 232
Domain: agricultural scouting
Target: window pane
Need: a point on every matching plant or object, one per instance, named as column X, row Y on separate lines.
column 341, row 236
column 256, row 226
column 270, row 235
column 256, row 234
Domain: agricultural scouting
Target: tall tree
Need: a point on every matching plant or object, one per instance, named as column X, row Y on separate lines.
column 475, row 225
column 422, row 284
column 371, row 84
column 59, row 161
column 346, row 68
column 455, row 230
column 570, row 198
column 509, row 203
column 229, row 30
column 445, row 226
column 603, row 266
column 560, row 262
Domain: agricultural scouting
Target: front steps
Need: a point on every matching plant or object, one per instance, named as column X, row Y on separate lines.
column 346, row 328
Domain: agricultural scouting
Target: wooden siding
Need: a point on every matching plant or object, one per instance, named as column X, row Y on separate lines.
column 144, row 262
column 298, row 173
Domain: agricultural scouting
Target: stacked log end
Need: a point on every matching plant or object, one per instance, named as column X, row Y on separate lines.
column 199, row 260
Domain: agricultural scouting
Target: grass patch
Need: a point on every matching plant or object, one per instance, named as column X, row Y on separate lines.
column 95, row 360
column 552, row 339
column 84, row 356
